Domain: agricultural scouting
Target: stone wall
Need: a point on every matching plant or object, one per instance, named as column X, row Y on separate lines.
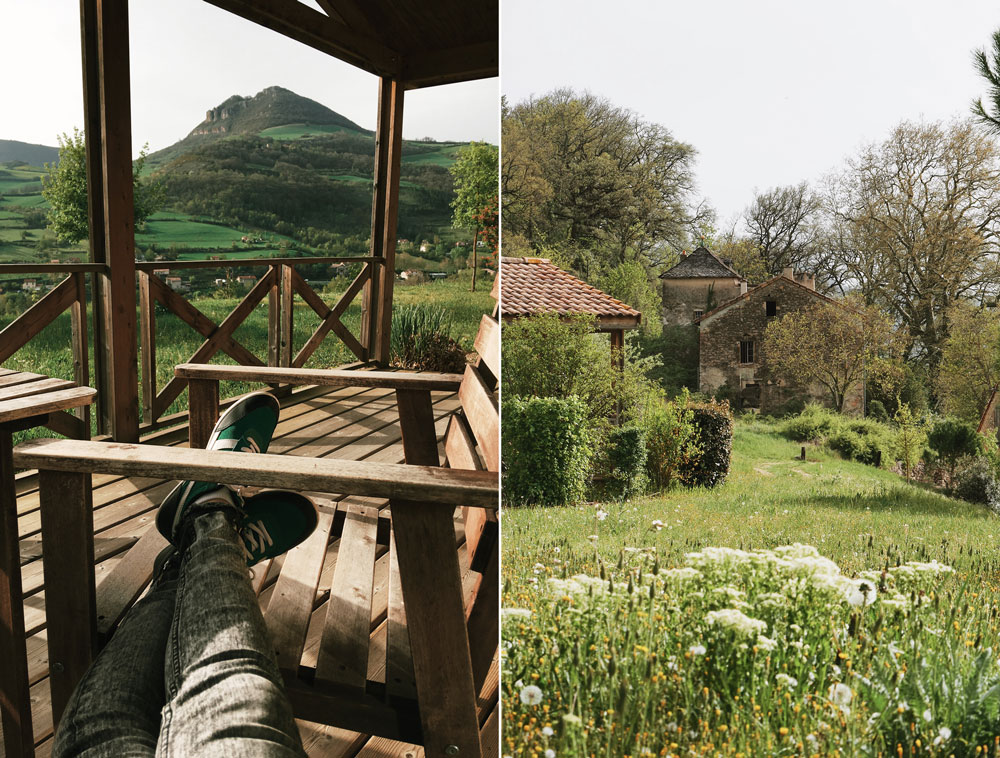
column 750, row 385
column 682, row 297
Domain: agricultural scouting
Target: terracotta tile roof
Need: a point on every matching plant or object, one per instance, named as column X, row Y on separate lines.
column 534, row 285
column 701, row 263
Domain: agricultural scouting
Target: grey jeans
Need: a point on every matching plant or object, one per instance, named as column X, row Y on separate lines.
column 190, row 671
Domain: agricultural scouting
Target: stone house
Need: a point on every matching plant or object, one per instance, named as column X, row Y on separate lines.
column 731, row 360
column 697, row 284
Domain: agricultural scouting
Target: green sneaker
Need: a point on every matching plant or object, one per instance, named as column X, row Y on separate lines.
column 245, row 427
column 275, row 521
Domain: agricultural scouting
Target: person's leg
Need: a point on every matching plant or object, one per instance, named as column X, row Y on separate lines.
column 115, row 709
column 225, row 695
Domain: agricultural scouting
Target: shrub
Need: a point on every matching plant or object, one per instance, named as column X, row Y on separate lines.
column 626, row 461
column 952, row 439
column 420, row 340
column 812, row 424
column 976, row 482
column 714, row 424
column 911, row 437
column 545, row 450
column 877, row 411
column 671, row 442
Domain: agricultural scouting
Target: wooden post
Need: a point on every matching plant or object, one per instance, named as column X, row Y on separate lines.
column 370, row 299
column 387, row 273
column 274, row 319
column 147, row 327
column 119, row 300
column 203, row 411
column 68, row 564
column 287, row 314
column 95, row 202
column 81, row 359
column 431, row 582
column 15, row 703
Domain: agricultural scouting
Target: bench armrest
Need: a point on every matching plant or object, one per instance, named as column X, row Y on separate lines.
column 417, row 484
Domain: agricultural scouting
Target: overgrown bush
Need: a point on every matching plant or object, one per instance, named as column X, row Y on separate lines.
column 976, row 481
column 420, row 340
column 952, row 440
column 877, row 411
column 626, row 462
column 671, row 443
column 546, row 450
column 811, row 425
column 714, row 424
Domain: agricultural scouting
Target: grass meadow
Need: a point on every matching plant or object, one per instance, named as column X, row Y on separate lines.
column 50, row 352
column 804, row 608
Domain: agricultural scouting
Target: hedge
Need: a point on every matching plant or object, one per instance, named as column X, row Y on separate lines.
column 626, row 462
column 714, row 422
column 546, row 450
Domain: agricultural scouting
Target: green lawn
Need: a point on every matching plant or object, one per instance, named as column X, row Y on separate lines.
column 644, row 671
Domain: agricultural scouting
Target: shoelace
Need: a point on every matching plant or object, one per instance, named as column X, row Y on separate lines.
column 241, row 445
column 255, row 538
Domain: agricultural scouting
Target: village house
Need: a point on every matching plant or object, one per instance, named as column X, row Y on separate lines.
column 697, row 284
column 731, row 358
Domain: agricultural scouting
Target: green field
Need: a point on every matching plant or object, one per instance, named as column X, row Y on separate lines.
column 660, row 666
column 169, row 228
column 20, row 179
column 445, row 155
column 299, row 131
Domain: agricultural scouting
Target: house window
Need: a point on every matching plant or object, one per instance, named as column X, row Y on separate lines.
column 746, row 351
column 698, row 314
column 771, row 308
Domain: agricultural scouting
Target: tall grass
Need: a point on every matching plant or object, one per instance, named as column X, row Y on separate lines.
column 632, row 658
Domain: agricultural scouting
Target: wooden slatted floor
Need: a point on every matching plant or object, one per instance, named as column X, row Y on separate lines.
column 351, row 423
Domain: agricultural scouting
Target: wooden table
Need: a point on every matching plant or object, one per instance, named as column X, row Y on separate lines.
column 28, row 400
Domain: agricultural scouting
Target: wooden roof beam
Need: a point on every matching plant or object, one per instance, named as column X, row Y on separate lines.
column 350, row 14
column 457, row 64
column 319, row 31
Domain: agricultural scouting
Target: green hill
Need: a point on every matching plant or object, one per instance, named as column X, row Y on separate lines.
column 284, row 163
column 25, row 152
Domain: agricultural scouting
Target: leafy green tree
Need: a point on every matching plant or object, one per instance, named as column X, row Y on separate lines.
column 970, row 361
column 65, row 187
column 630, row 283
column 952, row 439
column 594, row 181
column 835, row 346
column 477, row 183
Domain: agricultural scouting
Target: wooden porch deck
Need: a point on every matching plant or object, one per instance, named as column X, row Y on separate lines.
column 349, row 423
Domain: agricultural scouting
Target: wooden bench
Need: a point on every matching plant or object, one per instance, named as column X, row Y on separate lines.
column 27, row 400
column 401, row 643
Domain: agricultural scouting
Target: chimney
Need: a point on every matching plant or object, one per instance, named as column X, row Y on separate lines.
column 788, row 273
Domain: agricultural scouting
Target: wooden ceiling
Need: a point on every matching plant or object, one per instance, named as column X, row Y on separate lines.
column 418, row 42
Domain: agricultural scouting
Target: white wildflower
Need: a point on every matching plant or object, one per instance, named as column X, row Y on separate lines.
column 944, row 734
column 593, row 538
column 785, row 680
column 531, row 695
column 928, row 716
column 549, row 753
column 548, row 731
column 518, row 613
column 601, row 514
column 739, row 622
column 840, row 695
column 657, row 525
column 766, row 644
column 860, row 594
column 697, row 650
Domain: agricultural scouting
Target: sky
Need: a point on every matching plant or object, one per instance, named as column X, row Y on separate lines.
column 188, row 56
column 770, row 92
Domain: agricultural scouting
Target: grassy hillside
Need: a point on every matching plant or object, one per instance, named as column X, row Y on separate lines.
column 650, row 671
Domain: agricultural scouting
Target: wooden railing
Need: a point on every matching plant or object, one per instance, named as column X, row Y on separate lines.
column 279, row 284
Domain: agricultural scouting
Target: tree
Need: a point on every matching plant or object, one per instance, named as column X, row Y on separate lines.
column 594, row 181
column 783, row 225
column 970, row 361
column 475, row 172
column 916, row 221
column 836, row 345
column 65, row 187
column 630, row 283
column 988, row 67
